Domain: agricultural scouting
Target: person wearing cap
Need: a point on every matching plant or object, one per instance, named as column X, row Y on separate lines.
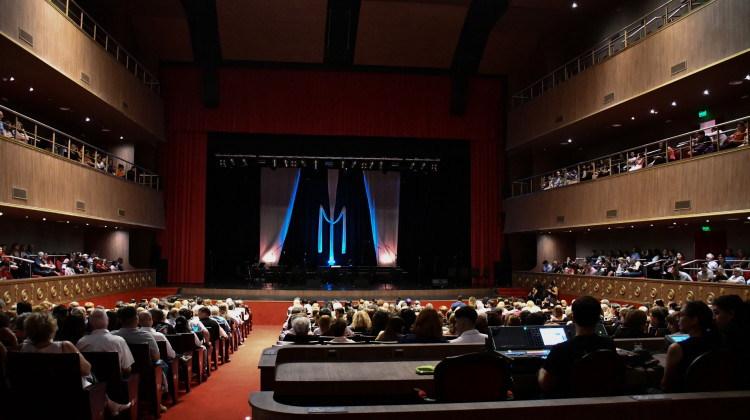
column 466, row 319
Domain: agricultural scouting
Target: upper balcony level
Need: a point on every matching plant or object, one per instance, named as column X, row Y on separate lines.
column 70, row 62
column 47, row 172
column 675, row 57
column 709, row 185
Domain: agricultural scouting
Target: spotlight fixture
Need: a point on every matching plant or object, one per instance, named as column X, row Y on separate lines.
column 122, row 137
column 632, row 118
column 244, row 163
column 574, row 5
column 303, row 163
column 273, row 163
column 705, row 92
column 88, row 119
column 231, row 162
column 411, row 166
column 315, row 164
column 222, row 163
column 653, row 111
column 570, row 140
column 674, row 103
column 286, row 163
column 422, row 166
column 31, row 89
column 13, row 78
column 343, row 164
column 44, row 219
column 746, row 78
column 372, row 163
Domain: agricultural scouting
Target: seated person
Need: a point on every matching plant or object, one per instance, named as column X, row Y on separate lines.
column 5, row 273
column 741, row 260
column 738, row 138
column 466, row 319
column 634, row 325
column 657, row 320
column 731, row 315
column 553, row 376
column 676, row 273
column 427, row 328
column 696, row 320
column 665, row 154
column 701, row 143
column 42, row 268
column 3, row 129
column 633, row 268
column 120, row 171
column 705, row 274
column 338, row 331
column 301, row 329
column 40, row 328
column 737, row 277
column 20, row 133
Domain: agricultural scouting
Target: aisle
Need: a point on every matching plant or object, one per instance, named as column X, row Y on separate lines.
column 225, row 393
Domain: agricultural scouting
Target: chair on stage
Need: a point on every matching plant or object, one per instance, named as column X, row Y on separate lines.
column 105, row 365
column 56, row 378
column 451, row 374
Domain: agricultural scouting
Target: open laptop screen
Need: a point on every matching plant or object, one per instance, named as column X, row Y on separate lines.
column 553, row 335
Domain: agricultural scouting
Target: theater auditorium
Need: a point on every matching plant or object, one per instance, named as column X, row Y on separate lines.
column 278, row 208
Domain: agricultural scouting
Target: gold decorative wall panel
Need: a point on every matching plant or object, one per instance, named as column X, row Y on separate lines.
column 69, row 288
column 630, row 290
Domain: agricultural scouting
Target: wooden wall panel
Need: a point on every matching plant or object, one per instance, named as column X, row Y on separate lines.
column 631, row 290
column 70, row 288
column 709, row 35
column 63, row 46
column 54, row 184
column 648, row 194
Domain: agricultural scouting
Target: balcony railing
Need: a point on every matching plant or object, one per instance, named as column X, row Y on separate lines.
column 75, row 14
column 657, row 19
column 675, row 148
column 18, row 127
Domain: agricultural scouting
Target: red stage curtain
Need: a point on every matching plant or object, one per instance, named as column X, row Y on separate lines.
column 183, row 169
column 312, row 102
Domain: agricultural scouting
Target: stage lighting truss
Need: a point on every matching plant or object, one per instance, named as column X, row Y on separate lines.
column 345, row 163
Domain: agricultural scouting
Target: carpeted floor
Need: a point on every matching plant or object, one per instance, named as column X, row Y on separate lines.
column 225, row 393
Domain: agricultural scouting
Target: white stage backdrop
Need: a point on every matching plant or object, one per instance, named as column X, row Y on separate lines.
column 277, row 191
column 383, row 199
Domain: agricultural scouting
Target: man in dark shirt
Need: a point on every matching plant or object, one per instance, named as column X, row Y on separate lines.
column 204, row 314
column 554, row 375
column 159, row 325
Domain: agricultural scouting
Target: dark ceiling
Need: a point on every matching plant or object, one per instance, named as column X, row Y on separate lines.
column 489, row 37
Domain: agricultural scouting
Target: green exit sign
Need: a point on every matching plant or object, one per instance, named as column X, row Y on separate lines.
column 702, row 114
column 706, row 228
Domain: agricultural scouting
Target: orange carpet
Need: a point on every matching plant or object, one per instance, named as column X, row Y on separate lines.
column 225, row 393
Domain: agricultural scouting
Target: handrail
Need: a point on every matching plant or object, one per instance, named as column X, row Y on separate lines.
column 609, row 46
column 66, row 146
column 75, row 14
column 617, row 163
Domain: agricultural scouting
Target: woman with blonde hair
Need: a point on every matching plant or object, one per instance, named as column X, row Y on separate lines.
column 360, row 322
column 40, row 327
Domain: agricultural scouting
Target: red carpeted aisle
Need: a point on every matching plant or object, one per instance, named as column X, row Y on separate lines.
column 225, row 393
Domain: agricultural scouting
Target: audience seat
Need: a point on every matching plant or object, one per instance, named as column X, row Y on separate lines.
column 452, row 374
column 42, row 384
column 184, row 358
column 173, row 373
column 150, row 381
column 597, row 374
column 702, row 374
column 106, row 367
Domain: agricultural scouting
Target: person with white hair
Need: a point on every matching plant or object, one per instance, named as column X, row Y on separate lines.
column 712, row 264
column 737, row 277
column 101, row 339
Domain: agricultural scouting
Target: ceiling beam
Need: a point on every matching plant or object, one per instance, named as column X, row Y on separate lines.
column 480, row 19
